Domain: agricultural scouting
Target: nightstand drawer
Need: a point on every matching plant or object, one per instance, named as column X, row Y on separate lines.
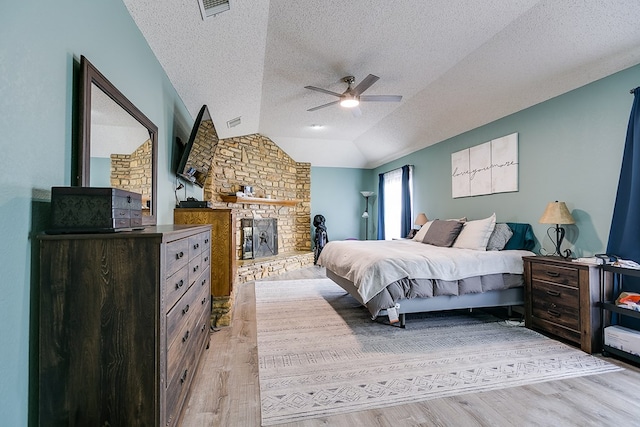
column 555, row 303
column 555, row 273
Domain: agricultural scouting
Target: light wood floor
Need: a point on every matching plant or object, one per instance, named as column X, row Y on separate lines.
column 226, row 392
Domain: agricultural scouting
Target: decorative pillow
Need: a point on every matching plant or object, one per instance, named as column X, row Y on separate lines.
column 442, row 233
column 475, row 234
column 499, row 238
column 423, row 230
column 522, row 238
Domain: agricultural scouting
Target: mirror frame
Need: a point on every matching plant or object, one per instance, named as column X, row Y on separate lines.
column 90, row 76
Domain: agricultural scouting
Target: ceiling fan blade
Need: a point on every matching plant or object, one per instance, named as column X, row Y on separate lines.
column 381, row 98
column 365, row 84
column 323, row 105
column 318, row 89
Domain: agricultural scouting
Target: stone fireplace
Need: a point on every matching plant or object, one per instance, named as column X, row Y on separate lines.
column 282, row 194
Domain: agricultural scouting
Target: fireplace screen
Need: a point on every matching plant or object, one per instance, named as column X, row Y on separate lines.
column 259, row 237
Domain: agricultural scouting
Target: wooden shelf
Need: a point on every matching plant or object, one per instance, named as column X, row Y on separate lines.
column 259, row 200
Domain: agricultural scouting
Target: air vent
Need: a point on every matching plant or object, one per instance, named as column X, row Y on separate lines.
column 210, row 8
column 234, row 122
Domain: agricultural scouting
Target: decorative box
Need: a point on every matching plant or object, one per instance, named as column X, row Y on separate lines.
column 94, row 210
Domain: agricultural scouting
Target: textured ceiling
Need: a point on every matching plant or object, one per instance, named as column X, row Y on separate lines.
column 457, row 64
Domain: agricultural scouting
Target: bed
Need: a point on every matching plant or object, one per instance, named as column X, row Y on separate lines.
column 415, row 275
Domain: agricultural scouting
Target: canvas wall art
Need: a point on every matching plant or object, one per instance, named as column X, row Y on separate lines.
column 491, row 167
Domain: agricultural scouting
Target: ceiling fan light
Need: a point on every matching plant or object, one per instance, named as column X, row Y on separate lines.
column 349, row 102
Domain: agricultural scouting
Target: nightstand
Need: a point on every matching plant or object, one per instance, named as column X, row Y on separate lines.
column 562, row 298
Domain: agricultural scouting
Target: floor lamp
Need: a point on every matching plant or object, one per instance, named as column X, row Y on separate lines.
column 365, row 215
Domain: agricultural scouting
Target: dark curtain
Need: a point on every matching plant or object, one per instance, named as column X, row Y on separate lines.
column 381, row 207
column 405, row 214
column 624, row 235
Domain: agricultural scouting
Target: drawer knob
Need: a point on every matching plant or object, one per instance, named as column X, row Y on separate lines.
column 203, row 282
column 183, row 377
column 206, row 241
column 204, row 300
column 206, row 259
column 196, row 268
column 553, row 293
column 196, row 246
column 179, row 255
column 179, row 284
column 553, row 274
column 185, row 310
column 185, row 337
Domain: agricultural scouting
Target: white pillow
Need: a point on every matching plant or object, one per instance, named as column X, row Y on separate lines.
column 422, row 232
column 475, row 234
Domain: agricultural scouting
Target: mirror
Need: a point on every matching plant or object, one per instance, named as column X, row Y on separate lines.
column 118, row 143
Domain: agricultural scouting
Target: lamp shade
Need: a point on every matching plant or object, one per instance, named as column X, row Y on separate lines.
column 367, row 193
column 421, row 219
column 556, row 213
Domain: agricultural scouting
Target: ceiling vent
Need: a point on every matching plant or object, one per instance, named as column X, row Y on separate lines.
column 210, row 8
column 234, row 122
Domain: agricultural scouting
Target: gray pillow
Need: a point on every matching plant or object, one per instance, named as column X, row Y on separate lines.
column 443, row 233
column 499, row 238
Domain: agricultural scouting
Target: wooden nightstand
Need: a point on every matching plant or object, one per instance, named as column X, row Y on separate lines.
column 562, row 299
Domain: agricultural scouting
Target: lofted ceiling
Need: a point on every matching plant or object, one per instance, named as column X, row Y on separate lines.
column 457, row 64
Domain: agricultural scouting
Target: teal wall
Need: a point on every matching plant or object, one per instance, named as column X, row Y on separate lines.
column 40, row 47
column 570, row 149
column 335, row 194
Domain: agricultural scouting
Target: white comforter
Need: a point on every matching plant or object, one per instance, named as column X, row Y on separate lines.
column 371, row 265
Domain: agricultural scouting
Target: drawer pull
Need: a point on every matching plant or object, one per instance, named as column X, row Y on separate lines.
column 183, row 377
column 185, row 310
column 179, row 284
column 206, row 259
column 196, row 268
column 204, row 326
column 185, row 337
column 553, row 273
column 554, row 313
column 179, row 255
column 196, row 246
column 203, row 282
column 206, row 241
column 204, row 300
column 553, row 293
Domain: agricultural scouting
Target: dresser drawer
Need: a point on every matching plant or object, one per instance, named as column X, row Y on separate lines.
column 195, row 245
column 177, row 255
column 556, row 303
column 195, row 268
column 206, row 242
column 176, row 286
column 181, row 323
column 555, row 273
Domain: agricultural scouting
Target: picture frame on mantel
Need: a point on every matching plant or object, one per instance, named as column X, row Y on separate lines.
column 491, row 167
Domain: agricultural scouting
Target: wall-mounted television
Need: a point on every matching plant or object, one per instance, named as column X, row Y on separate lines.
column 198, row 152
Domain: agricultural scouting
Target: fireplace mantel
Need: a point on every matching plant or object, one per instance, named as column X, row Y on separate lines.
column 258, row 200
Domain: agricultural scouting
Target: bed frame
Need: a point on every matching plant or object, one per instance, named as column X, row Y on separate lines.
column 507, row 297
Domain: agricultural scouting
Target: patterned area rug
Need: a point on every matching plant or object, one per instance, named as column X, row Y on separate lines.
column 320, row 354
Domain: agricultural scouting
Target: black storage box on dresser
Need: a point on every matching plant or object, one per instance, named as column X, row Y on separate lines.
column 94, row 210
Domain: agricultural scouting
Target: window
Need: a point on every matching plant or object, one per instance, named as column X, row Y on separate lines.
column 393, row 203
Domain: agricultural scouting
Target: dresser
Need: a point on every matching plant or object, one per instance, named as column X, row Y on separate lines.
column 562, row 298
column 124, row 319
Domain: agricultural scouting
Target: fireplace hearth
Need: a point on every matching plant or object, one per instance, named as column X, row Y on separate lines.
column 259, row 237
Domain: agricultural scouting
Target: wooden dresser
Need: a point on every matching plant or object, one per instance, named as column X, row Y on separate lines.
column 562, row 298
column 223, row 244
column 124, row 318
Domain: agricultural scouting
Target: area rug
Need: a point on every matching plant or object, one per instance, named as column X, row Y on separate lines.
column 320, row 354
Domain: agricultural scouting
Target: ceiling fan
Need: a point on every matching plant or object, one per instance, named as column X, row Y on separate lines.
column 352, row 97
